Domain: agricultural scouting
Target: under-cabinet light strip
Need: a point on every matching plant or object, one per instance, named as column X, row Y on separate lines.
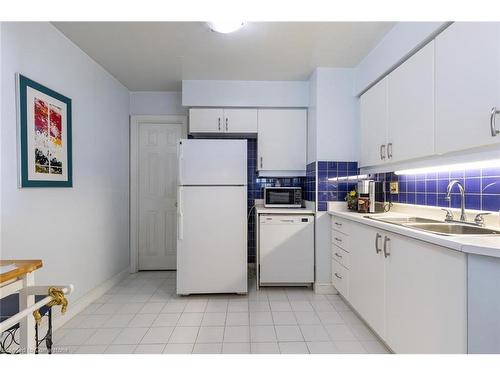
column 451, row 167
column 349, row 178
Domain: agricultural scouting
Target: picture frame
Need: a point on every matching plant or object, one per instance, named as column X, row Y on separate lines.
column 45, row 136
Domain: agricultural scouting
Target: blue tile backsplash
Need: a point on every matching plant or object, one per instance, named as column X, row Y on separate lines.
column 310, row 185
column 329, row 191
column 482, row 186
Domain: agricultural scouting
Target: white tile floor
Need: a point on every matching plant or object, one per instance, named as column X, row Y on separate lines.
column 144, row 315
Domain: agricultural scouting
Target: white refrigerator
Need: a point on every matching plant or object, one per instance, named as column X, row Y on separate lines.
column 212, row 216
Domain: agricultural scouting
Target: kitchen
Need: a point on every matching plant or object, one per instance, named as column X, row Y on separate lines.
column 348, row 205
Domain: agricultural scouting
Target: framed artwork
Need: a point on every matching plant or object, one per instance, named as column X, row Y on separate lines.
column 44, row 136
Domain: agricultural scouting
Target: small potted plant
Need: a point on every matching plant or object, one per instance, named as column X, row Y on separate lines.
column 352, row 200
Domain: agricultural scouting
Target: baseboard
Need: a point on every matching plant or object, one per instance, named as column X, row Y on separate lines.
column 325, row 288
column 80, row 304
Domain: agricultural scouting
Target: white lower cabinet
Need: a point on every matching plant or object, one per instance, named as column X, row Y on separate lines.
column 340, row 278
column 425, row 297
column 366, row 279
column 411, row 293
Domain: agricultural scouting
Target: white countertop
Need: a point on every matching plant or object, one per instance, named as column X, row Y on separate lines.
column 260, row 209
column 472, row 244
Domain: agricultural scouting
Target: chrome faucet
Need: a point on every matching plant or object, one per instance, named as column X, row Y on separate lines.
column 462, row 197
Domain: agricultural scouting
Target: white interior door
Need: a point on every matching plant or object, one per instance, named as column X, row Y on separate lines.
column 157, row 195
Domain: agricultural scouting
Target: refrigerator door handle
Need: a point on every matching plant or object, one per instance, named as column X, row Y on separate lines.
column 180, row 216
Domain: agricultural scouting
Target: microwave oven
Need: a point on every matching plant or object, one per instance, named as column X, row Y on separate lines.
column 288, row 197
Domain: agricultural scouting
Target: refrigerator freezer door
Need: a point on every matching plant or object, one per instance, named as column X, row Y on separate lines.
column 212, row 240
column 212, row 162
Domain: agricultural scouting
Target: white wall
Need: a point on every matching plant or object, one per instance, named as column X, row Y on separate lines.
column 156, row 103
column 333, row 129
column 245, row 93
column 312, row 119
column 337, row 114
column 400, row 42
column 333, row 124
column 80, row 233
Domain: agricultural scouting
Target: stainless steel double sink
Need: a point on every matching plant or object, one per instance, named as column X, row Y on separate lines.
column 436, row 226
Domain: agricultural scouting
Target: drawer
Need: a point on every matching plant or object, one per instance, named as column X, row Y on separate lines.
column 340, row 239
column 340, row 224
column 340, row 278
column 341, row 256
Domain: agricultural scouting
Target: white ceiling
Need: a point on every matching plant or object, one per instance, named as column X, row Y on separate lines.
column 156, row 56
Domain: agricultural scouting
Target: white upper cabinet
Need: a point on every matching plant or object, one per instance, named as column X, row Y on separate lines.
column 397, row 114
column 219, row 120
column 206, row 120
column 467, row 85
column 373, row 108
column 240, row 120
column 281, row 142
column 410, row 104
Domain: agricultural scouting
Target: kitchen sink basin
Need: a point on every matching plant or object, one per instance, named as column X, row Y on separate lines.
column 403, row 220
column 452, row 228
column 436, row 226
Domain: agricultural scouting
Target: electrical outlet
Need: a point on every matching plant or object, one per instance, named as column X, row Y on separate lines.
column 394, row 188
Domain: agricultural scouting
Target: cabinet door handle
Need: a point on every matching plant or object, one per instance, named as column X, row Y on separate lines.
column 386, row 252
column 382, row 152
column 493, row 123
column 337, row 276
column 338, row 224
column 338, row 239
column 261, row 164
column 389, row 150
column 226, row 125
column 219, row 122
column 377, row 237
column 338, row 255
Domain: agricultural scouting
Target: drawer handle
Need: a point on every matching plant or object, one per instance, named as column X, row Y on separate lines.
column 337, row 276
column 338, row 239
column 338, row 255
column 338, row 224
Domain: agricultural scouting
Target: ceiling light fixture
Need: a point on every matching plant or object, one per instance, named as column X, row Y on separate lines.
column 452, row 167
column 226, row 27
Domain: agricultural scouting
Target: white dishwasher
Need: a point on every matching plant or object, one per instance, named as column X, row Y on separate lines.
column 286, row 249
